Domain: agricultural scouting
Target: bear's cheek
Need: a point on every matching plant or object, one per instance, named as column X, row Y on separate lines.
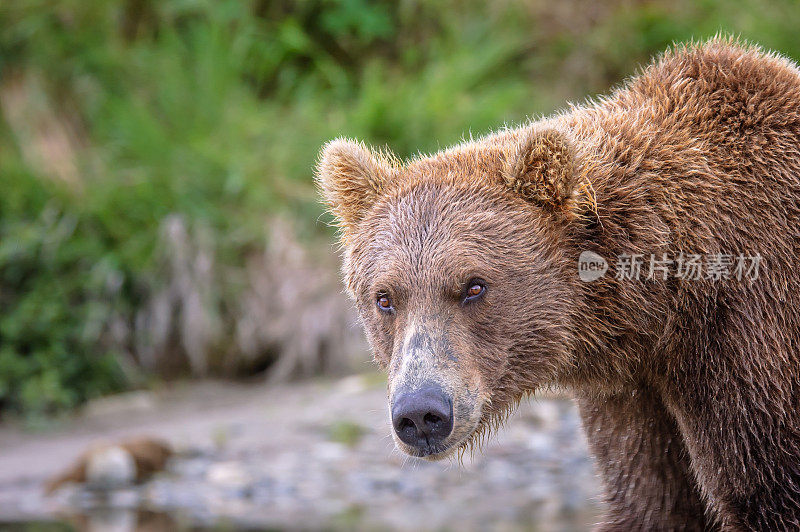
column 378, row 331
column 380, row 341
column 483, row 343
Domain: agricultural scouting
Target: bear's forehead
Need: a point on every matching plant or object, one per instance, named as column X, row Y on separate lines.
column 433, row 228
column 430, row 211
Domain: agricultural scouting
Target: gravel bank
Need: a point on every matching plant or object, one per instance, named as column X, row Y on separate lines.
column 312, row 455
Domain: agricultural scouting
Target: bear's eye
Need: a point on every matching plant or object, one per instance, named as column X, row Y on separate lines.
column 384, row 302
column 474, row 290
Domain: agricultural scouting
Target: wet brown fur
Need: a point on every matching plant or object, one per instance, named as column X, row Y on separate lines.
column 149, row 455
column 689, row 390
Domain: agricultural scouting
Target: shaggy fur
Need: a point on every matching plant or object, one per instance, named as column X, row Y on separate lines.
column 689, row 389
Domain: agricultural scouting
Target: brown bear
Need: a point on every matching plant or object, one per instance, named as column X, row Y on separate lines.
column 466, row 270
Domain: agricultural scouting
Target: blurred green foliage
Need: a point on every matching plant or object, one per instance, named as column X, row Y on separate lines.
column 346, row 432
column 216, row 110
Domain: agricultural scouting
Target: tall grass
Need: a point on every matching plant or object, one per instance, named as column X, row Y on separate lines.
column 157, row 214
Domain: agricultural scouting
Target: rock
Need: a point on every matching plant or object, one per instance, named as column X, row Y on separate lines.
column 110, row 468
column 228, row 475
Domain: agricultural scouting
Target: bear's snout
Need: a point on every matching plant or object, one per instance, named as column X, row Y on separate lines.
column 423, row 418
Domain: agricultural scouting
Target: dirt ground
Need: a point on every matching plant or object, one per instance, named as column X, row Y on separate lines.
column 303, row 456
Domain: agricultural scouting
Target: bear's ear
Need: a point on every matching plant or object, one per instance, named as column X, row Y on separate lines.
column 541, row 168
column 350, row 178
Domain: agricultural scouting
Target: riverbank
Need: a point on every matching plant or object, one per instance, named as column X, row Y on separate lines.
column 311, row 455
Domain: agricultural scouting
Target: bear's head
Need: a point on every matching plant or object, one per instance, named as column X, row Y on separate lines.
column 460, row 266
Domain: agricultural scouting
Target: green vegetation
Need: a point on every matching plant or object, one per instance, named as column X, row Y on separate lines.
column 128, row 122
column 346, row 432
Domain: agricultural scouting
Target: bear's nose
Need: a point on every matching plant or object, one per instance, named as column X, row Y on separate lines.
column 424, row 417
